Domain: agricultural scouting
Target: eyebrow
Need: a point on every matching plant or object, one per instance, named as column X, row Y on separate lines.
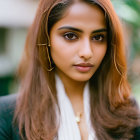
column 78, row 30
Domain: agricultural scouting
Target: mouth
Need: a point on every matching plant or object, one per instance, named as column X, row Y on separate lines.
column 83, row 67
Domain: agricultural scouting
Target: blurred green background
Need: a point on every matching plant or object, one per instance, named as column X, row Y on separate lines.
column 129, row 13
column 17, row 15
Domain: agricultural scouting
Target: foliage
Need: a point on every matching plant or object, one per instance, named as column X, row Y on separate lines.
column 129, row 11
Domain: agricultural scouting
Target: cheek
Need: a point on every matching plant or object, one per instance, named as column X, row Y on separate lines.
column 61, row 54
column 56, row 47
column 100, row 53
column 61, row 49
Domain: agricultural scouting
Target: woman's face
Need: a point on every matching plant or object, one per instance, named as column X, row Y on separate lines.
column 79, row 42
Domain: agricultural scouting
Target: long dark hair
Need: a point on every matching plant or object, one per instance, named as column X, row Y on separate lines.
column 113, row 111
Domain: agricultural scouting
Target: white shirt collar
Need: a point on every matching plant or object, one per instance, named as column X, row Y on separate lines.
column 68, row 129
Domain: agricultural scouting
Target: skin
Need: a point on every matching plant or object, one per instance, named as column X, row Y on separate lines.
column 79, row 37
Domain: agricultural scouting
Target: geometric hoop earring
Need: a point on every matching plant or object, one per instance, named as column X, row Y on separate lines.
column 50, row 63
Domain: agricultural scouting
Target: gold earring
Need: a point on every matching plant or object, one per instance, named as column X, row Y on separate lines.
column 50, row 63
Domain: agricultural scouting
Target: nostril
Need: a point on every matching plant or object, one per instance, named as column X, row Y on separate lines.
column 85, row 53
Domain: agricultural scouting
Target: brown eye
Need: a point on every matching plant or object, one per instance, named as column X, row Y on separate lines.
column 70, row 36
column 98, row 38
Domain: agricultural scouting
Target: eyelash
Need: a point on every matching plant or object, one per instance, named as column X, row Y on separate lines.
column 67, row 36
column 70, row 36
column 98, row 38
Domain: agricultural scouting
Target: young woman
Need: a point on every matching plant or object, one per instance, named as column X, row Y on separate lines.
column 73, row 77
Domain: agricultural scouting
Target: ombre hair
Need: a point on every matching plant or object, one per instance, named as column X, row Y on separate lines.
column 114, row 113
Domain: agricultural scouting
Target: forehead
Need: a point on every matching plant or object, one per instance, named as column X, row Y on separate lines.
column 81, row 13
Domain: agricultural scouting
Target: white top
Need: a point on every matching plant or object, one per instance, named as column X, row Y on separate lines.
column 69, row 129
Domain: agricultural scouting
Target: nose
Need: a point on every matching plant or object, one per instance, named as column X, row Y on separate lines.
column 85, row 49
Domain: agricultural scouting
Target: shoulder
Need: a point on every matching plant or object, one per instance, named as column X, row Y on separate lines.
column 7, row 107
column 10, row 99
column 137, row 129
column 137, row 133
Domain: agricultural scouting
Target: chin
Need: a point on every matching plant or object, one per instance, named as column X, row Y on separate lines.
column 82, row 77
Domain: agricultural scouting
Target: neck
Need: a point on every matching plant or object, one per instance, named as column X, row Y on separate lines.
column 72, row 87
column 74, row 90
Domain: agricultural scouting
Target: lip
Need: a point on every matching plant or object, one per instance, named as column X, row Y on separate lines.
column 83, row 67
